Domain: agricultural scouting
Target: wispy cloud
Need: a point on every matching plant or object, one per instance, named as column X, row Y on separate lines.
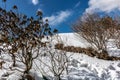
column 35, row 2
column 58, row 18
column 77, row 4
column 103, row 5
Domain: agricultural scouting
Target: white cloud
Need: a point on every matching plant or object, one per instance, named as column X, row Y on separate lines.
column 78, row 4
column 58, row 18
column 35, row 2
column 103, row 5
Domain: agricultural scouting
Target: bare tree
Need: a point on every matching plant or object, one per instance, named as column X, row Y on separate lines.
column 29, row 42
column 94, row 29
column 57, row 65
column 55, row 62
column 23, row 34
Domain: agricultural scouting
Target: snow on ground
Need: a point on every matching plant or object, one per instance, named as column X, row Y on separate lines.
column 81, row 66
column 69, row 39
column 112, row 49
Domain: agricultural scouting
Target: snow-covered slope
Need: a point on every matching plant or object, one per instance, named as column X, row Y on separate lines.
column 81, row 66
column 71, row 39
column 68, row 39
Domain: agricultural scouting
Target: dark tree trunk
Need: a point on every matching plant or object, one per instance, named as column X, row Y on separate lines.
column 14, row 60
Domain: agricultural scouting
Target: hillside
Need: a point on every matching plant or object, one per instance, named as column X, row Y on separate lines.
column 80, row 67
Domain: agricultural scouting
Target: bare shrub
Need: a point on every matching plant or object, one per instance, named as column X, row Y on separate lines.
column 59, row 46
column 94, row 29
column 55, row 62
column 58, row 63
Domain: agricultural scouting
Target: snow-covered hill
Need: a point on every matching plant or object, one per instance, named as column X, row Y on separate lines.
column 81, row 66
column 71, row 39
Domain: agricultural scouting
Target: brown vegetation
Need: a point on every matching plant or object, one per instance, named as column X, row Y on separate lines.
column 59, row 46
column 88, row 51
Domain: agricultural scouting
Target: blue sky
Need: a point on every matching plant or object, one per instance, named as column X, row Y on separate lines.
column 62, row 13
